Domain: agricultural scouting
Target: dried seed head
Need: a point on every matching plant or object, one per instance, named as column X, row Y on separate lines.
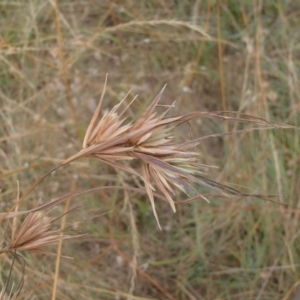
column 34, row 234
column 149, row 139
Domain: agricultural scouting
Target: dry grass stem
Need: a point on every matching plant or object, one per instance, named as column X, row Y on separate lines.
column 11, row 296
column 14, row 292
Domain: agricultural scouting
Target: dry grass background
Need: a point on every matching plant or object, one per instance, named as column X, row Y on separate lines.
column 214, row 55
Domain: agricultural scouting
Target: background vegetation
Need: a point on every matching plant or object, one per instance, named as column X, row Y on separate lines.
column 236, row 55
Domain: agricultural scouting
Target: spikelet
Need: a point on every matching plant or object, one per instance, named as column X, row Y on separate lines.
column 34, row 234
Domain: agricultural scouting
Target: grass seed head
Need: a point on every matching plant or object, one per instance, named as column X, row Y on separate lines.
column 34, row 234
column 149, row 139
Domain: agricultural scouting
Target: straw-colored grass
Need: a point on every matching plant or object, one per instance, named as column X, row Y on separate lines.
column 239, row 56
